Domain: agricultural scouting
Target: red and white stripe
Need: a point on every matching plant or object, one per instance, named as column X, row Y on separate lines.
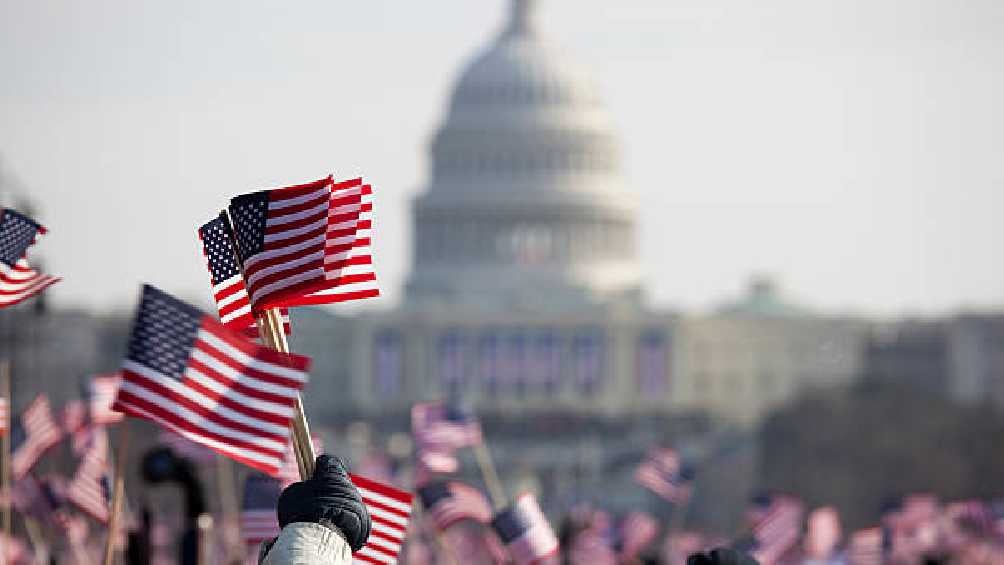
column 21, row 281
column 390, row 510
column 316, row 247
column 234, row 306
column 4, row 416
column 259, row 525
column 103, row 391
column 41, row 433
column 85, row 489
column 348, row 260
column 539, row 541
column 234, row 397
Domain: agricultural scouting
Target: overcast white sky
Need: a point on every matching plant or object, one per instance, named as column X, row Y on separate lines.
column 852, row 148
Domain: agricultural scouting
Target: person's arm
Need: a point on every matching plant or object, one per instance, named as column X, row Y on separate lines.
column 323, row 520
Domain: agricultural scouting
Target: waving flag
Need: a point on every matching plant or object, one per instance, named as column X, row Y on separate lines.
column 525, row 531
column 290, row 471
column 36, row 433
column 225, row 276
column 259, row 521
column 776, row 522
column 19, row 281
column 306, row 244
column 4, row 415
column 190, row 374
column 663, row 473
column 450, row 502
column 390, row 509
column 444, row 426
column 101, row 393
column 90, row 487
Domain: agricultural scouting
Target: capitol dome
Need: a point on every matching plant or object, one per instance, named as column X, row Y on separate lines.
column 525, row 204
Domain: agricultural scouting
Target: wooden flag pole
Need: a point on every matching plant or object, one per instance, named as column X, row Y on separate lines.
column 491, row 477
column 271, row 332
column 118, row 493
column 5, row 469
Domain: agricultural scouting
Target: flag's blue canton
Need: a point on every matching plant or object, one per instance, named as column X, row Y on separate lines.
column 17, row 435
column 249, row 213
column 510, row 524
column 458, row 413
column 17, row 232
column 106, row 487
column 219, row 250
column 433, row 493
column 164, row 333
column 261, row 492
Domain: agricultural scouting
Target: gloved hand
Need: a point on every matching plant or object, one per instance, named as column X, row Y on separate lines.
column 721, row 556
column 328, row 498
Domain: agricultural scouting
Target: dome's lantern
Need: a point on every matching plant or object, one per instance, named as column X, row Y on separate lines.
column 522, row 17
column 526, row 203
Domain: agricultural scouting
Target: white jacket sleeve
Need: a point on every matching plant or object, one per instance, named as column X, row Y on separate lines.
column 305, row 543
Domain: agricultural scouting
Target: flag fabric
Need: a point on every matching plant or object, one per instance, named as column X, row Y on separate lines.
column 195, row 377
column 36, row 498
column 663, row 473
column 186, row 448
column 34, row 434
column 306, row 244
column 776, row 528
column 390, row 510
column 638, row 530
column 866, row 547
column 90, row 487
column 433, row 460
column 822, row 533
column 18, row 281
column 4, row 416
column 225, row 276
column 448, row 502
column 525, row 531
column 101, row 392
column 443, row 427
column 259, row 521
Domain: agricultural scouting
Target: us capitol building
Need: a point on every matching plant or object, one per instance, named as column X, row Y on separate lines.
column 525, row 297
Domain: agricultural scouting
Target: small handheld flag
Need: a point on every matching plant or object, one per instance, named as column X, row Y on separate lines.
column 525, row 531
column 190, row 374
column 34, row 434
column 18, row 281
column 306, row 244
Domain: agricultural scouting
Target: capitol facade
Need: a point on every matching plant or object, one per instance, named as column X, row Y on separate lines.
column 525, row 293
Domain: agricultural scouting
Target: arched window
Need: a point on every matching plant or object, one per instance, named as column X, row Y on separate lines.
column 652, row 363
column 388, row 365
column 450, row 359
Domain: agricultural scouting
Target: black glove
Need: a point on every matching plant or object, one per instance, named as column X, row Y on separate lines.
column 328, row 498
column 721, row 556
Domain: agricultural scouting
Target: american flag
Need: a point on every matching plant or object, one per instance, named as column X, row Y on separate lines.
column 101, row 394
column 450, row 502
column 436, row 460
column 34, row 434
column 259, row 521
column 822, row 533
column 90, row 487
column 444, row 427
column 866, row 547
column 390, row 510
column 190, row 374
column 4, row 415
column 638, row 530
column 525, row 531
column 34, row 497
column 186, row 448
column 777, row 527
column 306, row 244
column 18, row 281
column 225, row 276
column 663, row 473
